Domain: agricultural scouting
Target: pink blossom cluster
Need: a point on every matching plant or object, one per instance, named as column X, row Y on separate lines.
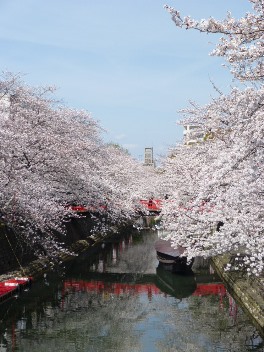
column 52, row 157
column 216, row 186
column 242, row 42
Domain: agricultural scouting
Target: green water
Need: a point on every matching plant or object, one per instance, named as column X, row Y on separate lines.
column 118, row 299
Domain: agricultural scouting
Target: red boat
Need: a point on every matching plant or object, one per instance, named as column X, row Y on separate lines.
column 10, row 287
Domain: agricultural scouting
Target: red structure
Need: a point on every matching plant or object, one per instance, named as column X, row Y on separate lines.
column 114, row 287
column 153, row 205
column 87, row 209
column 210, row 289
column 78, row 208
column 149, row 288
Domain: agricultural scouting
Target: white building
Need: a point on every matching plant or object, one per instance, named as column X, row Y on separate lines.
column 193, row 134
column 4, row 106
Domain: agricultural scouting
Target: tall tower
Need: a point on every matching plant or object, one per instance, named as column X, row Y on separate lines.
column 148, row 157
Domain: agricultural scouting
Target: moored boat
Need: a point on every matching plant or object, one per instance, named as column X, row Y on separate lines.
column 172, row 258
column 10, row 287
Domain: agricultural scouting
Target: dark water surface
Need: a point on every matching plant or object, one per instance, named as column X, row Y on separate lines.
column 120, row 300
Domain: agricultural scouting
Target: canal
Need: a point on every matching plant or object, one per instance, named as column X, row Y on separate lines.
column 118, row 299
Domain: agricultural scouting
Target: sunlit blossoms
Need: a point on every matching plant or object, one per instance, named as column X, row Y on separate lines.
column 242, row 41
column 51, row 157
column 217, row 196
column 220, row 179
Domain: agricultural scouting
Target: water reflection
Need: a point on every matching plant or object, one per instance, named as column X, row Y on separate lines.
column 179, row 286
column 121, row 300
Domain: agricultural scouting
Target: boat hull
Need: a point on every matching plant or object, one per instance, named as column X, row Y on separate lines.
column 171, row 258
column 174, row 264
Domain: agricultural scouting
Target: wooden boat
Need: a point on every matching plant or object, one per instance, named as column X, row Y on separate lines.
column 171, row 258
column 11, row 287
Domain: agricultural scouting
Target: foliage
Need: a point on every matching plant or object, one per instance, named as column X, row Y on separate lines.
column 220, row 181
column 52, row 156
column 118, row 146
column 242, row 43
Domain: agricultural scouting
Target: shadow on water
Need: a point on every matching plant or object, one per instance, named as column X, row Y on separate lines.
column 177, row 285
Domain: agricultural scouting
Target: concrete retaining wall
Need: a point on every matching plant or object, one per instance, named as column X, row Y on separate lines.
column 248, row 291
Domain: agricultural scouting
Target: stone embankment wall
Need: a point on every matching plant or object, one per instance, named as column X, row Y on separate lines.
column 248, row 291
column 18, row 259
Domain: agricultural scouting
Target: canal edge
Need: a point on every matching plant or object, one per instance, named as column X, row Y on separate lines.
column 248, row 291
column 37, row 268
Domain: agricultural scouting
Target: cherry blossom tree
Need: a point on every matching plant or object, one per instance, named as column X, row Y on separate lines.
column 52, row 156
column 128, row 181
column 220, row 181
column 242, row 43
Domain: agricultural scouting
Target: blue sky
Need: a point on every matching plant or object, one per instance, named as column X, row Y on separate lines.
column 123, row 61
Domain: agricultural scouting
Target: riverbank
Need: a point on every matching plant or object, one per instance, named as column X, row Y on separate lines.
column 38, row 267
column 248, row 291
column 80, row 233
